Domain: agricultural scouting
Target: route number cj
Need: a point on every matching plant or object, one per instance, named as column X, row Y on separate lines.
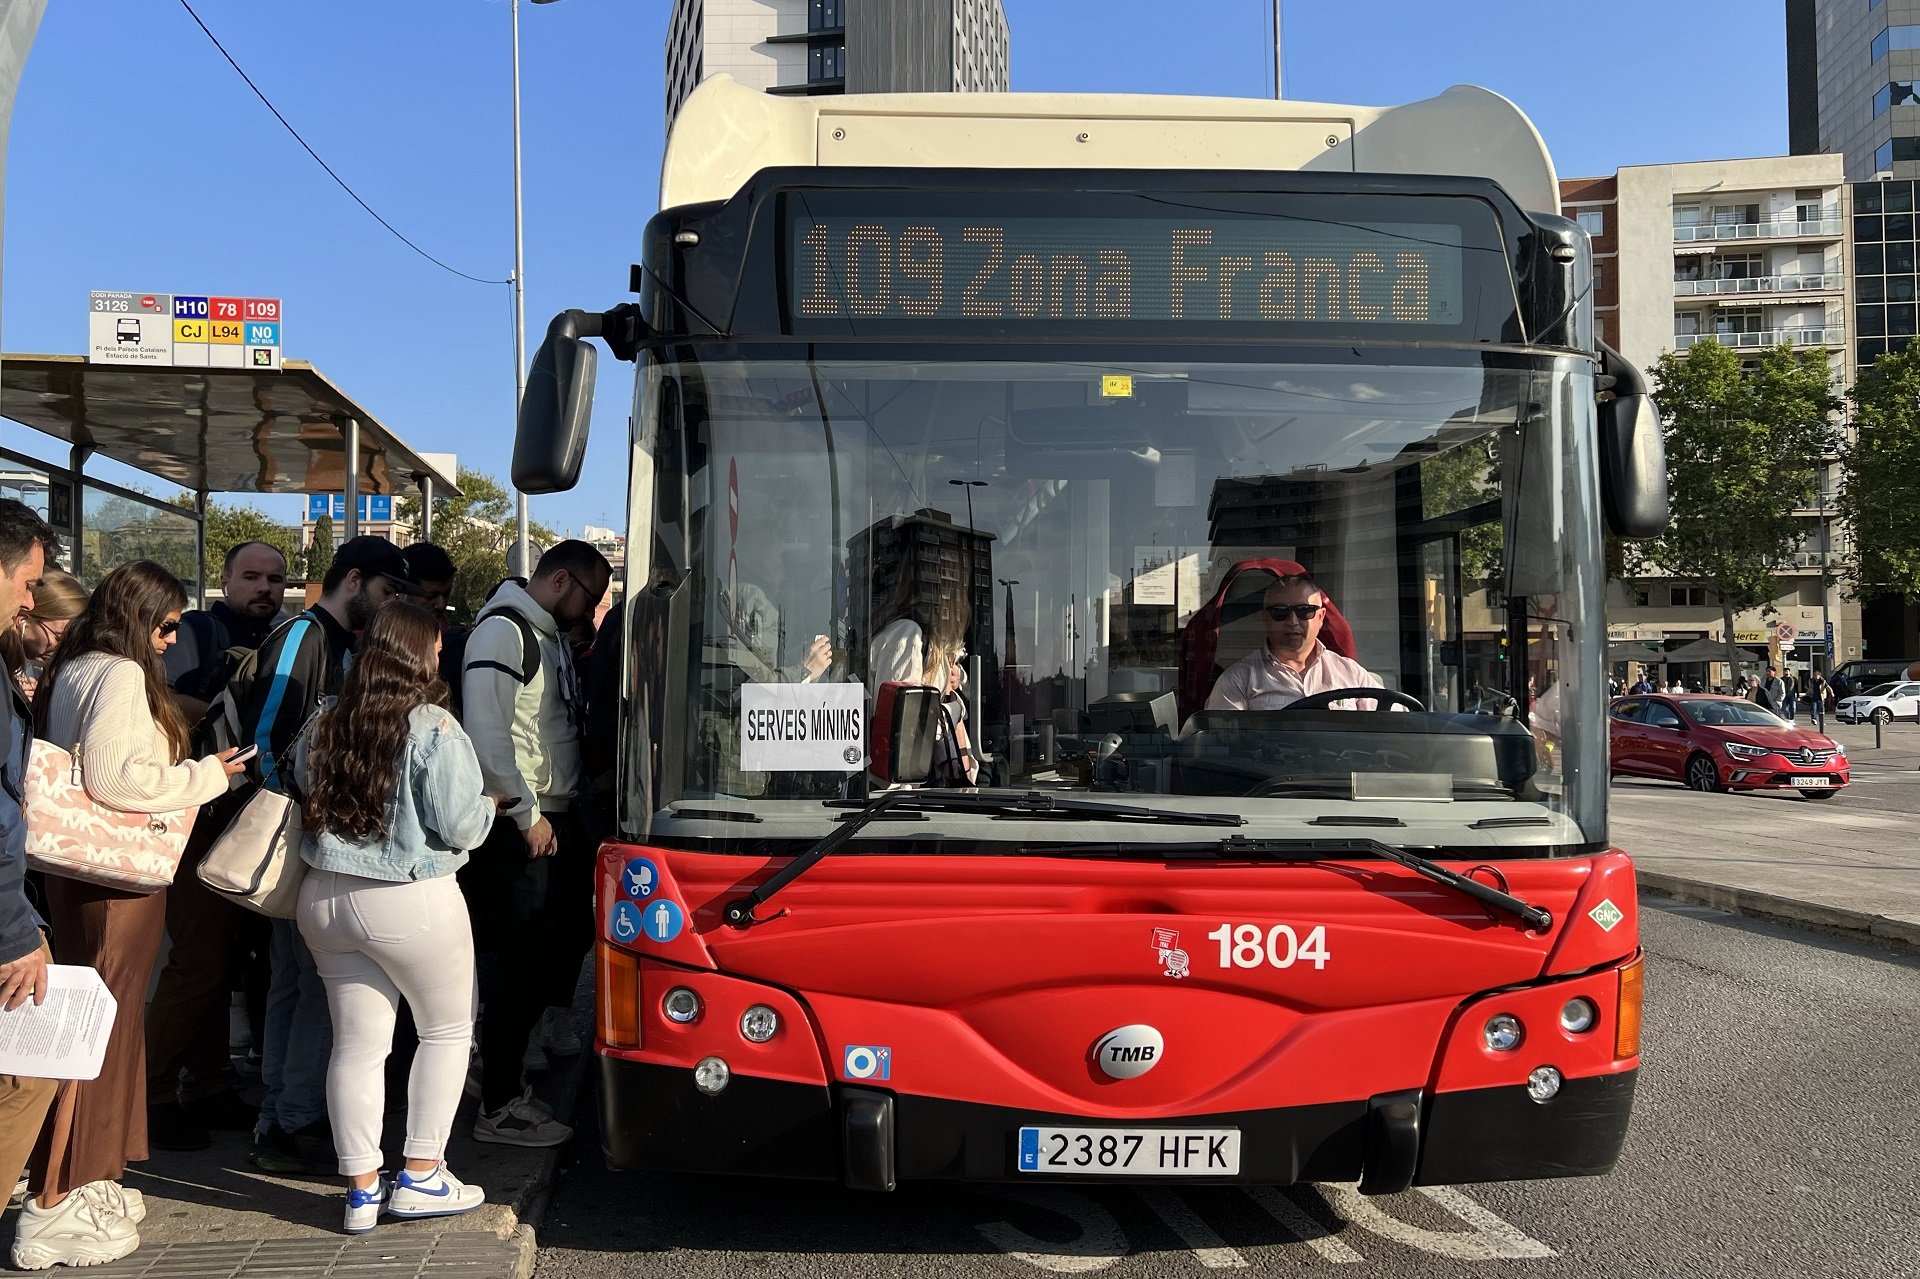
column 1247, row 946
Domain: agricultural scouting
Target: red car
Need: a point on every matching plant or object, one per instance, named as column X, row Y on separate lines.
column 1721, row 743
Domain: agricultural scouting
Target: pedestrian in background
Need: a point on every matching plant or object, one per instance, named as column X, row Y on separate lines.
column 27, row 647
column 25, row 539
column 393, row 797
column 104, row 698
column 530, row 884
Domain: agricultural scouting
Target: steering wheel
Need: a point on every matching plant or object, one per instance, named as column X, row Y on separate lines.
column 1323, row 701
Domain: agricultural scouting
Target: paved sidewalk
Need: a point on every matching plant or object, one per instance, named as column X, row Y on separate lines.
column 1850, row 863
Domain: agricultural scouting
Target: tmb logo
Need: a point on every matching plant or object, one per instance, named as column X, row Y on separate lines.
column 1129, row 1052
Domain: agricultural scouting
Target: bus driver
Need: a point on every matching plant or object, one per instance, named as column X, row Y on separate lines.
column 1293, row 663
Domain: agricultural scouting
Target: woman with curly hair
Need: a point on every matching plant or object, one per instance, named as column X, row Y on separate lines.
column 393, row 798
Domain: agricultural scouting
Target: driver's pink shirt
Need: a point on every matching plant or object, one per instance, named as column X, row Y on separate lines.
column 1258, row 682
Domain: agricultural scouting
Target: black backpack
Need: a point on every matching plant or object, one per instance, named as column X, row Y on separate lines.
column 220, row 657
column 453, row 654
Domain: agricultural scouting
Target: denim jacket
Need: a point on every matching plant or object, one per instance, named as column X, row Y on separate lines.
column 20, row 924
column 438, row 810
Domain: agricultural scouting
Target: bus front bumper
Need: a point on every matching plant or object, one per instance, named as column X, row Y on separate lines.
column 653, row 1118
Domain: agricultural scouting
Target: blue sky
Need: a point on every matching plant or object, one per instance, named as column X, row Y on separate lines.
column 140, row 161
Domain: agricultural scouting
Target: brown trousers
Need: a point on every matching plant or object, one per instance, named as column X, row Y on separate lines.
column 187, row 1020
column 98, row 1126
column 23, row 1107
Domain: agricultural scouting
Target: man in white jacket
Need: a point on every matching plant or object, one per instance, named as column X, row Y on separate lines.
column 522, row 708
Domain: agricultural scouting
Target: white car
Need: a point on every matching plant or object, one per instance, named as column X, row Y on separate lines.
column 1883, row 703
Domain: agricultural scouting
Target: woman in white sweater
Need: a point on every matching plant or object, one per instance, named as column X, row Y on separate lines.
column 104, row 697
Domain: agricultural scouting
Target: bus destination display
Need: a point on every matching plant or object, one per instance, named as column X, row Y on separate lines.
column 1129, row 270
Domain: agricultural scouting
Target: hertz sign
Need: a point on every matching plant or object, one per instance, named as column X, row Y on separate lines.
column 1261, row 270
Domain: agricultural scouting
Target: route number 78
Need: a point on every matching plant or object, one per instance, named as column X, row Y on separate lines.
column 1246, row 946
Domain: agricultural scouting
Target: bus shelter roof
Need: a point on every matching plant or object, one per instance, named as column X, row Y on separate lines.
column 213, row 430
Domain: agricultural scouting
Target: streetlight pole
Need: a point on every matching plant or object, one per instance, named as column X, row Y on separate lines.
column 519, row 300
column 1277, row 94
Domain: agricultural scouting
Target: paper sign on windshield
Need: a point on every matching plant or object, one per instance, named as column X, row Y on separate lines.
column 802, row 728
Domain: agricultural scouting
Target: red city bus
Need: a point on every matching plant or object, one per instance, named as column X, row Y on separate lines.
column 1000, row 482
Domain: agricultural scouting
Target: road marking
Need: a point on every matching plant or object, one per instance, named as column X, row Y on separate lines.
column 1099, row 1244
column 1490, row 1239
column 1302, row 1225
column 1209, row 1248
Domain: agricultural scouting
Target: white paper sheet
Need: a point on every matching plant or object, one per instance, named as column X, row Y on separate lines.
column 64, row 1038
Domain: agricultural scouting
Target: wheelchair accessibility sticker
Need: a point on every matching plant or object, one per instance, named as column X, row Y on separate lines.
column 624, row 924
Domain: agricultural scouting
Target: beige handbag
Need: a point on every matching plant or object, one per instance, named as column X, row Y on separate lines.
column 74, row 836
column 255, row 862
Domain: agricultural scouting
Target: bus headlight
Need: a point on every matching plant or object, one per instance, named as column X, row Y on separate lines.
column 1578, row 1016
column 681, row 1005
column 758, row 1023
column 1503, row 1033
column 1543, row 1084
column 711, row 1076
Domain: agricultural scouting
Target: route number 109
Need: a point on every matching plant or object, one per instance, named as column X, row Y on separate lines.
column 1246, row 946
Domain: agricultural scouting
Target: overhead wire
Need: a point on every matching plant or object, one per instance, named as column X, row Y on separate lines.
column 322, row 163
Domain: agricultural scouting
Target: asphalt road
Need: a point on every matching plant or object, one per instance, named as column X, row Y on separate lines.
column 1773, row 1135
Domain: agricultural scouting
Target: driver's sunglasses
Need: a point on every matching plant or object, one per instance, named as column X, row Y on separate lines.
column 1299, row 612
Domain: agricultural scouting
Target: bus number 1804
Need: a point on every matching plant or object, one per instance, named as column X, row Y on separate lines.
column 1248, row 946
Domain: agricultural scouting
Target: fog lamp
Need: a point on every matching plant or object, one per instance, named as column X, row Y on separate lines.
column 1503, row 1032
column 1544, row 1083
column 1578, row 1015
column 711, row 1076
column 681, row 1005
column 758, row 1023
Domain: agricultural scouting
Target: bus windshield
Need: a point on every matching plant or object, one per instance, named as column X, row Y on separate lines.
column 1135, row 578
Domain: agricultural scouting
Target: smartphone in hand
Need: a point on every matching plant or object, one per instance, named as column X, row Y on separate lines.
column 241, row 754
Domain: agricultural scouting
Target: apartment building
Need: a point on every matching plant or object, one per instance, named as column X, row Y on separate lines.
column 1750, row 253
column 1852, row 71
column 838, row 46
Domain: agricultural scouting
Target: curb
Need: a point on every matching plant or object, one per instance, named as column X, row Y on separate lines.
column 1903, row 934
column 528, row 1210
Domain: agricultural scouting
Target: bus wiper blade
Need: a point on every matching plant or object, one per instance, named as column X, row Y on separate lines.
column 740, row 914
column 1538, row 918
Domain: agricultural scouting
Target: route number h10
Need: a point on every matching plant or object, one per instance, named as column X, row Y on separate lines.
column 1246, row 946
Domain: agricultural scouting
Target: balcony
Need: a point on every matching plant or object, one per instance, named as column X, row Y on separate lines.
column 1785, row 227
column 1810, row 559
column 1762, row 284
column 1835, row 336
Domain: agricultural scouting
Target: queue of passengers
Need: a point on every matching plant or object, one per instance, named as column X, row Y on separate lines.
column 422, row 830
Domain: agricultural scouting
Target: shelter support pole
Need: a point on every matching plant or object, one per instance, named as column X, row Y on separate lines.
column 200, row 543
column 77, row 463
column 350, row 433
column 426, row 507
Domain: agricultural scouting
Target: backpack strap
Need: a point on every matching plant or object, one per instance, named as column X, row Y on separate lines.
column 529, row 647
column 263, row 727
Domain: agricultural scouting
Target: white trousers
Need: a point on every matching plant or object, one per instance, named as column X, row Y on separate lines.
column 375, row 943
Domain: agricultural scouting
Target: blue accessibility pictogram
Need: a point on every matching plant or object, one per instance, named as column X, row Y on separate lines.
column 662, row 919
column 639, row 879
column 624, row 924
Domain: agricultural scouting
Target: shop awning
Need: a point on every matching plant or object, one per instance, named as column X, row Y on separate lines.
column 213, row 430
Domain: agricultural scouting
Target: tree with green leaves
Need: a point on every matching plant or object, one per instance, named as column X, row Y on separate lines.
column 1742, row 448
column 475, row 530
column 320, row 550
column 1879, row 497
column 229, row 526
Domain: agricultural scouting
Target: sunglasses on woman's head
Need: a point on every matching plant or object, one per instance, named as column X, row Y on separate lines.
column 1301, row 612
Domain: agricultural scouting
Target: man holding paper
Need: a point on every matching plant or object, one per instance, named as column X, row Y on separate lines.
column 24, row 541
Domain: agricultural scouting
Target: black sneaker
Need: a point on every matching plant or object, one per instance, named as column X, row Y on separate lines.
column 171, row 1127
column 299, row 1154
column 224, row 1111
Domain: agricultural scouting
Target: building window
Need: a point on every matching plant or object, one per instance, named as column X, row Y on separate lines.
column 1896, row 93
column 1592, row 221
column 1740, row 266
column 1897, row 37
column 1599, row 328
column 1687, row 597
column 1744, row 320
column 824, row 15
column 827, row 62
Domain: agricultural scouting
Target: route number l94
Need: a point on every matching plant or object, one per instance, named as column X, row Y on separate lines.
column 1247, row 946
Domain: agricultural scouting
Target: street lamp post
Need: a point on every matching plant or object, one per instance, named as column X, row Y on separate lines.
column 521, row 541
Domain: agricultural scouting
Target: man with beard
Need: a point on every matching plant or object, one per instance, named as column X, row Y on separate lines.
column 188, row 1089
column 532, row 878
column 298, row 669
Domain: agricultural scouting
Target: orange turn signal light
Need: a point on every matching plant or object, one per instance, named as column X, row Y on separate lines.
column 1626, row 1021
column 616, row 996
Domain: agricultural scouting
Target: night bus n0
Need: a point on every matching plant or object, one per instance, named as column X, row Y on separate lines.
column 1063, row 390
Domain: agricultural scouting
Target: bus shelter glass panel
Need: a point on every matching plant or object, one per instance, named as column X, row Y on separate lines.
column 119, row 527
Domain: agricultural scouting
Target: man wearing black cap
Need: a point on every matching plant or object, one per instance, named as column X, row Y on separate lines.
column 300, row 666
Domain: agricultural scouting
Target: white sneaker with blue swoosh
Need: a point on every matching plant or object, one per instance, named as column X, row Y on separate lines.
column 365, row 1206
column 434, row 1194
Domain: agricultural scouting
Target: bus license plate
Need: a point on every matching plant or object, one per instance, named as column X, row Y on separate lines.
column 1137, row 1152
column 1815, row 782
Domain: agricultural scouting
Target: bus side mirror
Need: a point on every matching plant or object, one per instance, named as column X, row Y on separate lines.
column 1633, row 454
column 550, row 440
